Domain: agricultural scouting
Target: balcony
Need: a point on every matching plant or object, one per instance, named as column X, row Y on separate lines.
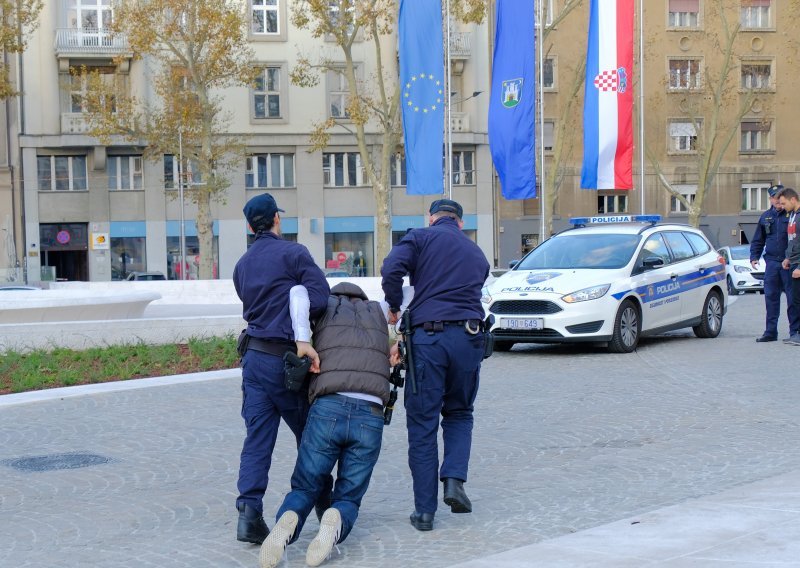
column 460, row 45
column 459, row 122
column 73, row 123
column 88, row 42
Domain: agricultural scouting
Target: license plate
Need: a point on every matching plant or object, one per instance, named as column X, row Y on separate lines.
column 522, row 323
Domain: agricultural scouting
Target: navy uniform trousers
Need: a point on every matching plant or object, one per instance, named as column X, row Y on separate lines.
column 777, row 282
column 265, row 400
column 447, row 368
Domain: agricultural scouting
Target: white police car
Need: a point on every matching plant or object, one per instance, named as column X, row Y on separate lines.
column 610, row 279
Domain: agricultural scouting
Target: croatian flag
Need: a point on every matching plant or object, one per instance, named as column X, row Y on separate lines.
column 608, row 101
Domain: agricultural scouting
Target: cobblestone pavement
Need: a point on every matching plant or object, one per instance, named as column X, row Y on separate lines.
column 566, row 438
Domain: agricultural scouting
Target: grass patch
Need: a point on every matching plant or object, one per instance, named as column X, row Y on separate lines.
column 63, row 367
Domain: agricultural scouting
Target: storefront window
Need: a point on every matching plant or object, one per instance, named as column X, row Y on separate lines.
column 128, row 254
column 192, row 263
column 350, row 252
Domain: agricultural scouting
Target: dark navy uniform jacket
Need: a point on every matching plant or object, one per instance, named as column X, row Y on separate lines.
column 263, row 277
column 771, row 236
column 447, row 272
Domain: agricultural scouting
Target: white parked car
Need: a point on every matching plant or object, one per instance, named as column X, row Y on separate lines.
column 741, row 277
column 610, row 279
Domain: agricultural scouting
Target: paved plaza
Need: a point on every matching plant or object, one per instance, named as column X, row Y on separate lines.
column 574, row 448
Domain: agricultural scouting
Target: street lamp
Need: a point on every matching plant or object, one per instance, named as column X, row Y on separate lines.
column 182, row 243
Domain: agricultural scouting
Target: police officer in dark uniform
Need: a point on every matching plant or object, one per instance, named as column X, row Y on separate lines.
column 263, row 278
column 771, row 239
column 447, row 272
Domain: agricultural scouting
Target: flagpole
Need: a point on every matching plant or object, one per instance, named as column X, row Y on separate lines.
column 641, row 106
column 542, row 177
column 449, row 117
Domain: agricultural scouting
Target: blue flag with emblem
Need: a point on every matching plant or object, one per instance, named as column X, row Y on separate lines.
column 422, row 94
column 512, row 116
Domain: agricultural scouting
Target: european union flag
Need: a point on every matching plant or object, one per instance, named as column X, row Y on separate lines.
column 423, row 94
column 512, row 116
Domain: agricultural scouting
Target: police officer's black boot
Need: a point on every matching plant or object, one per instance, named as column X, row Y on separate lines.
column 422, row 521
column 455, row 496
column 251, row 527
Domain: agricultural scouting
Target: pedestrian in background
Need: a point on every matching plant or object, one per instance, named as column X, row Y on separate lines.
column 770, row 241
column 790, row 203
column 447, row 272
column 263, row 278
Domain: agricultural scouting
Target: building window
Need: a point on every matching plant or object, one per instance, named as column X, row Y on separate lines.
column 549, row 74
column 61, row 173
column 128, row 254
column 688, row 191
column 756, row 14
column 265, row 17
column 755, row 196
column 548, row 13
column 463, row 167
column 756, row 136
column 549, row 135
column 342, row 169
column 684, row 74
column 335, row 16
column 350, row 253
column 683, row 137
column 269, row 170
column 192, row 263
column 191, row 173
column 397, row 174
column 267, row 93
column 93, row 18
column 756, row 75
column 338, row 94
column 124, row 172
column 79, row 86
column 684, row 13
column 612, row 203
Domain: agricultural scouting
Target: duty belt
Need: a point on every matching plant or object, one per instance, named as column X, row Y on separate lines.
column 271, row 346
column 471, row 325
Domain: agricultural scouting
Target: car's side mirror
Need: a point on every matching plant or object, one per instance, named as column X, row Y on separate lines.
column 653, row 262
column 513, row 264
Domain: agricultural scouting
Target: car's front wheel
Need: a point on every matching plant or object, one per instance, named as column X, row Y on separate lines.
column 732, row 290
column 711, row 319
column 627, row 329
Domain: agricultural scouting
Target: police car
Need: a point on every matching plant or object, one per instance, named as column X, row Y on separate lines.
column 610, row 279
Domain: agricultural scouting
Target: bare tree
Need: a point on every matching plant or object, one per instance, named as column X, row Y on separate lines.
column 372, row 114
column 715, row 108
column 195, row 49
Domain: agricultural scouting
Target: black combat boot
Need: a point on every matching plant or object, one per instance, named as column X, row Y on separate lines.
column 422, row 521
column 455, row 496
column 251, row 527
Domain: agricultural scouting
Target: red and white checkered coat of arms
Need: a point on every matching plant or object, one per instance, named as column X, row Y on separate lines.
column 607, row 80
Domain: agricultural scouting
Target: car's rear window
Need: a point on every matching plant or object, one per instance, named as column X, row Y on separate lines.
column 604, row 251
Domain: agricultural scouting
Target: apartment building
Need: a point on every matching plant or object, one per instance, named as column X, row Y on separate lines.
column 98, row 212
column 684, row 56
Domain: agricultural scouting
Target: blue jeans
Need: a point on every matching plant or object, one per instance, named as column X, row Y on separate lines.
column 777, row 282
column 265, row 400
column 447, row 368
column 342, row 429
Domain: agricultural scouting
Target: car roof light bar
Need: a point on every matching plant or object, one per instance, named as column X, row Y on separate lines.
column 608, row 219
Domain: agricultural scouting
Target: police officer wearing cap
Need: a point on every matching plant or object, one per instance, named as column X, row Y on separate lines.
column 771, row 240
column 262, row 278
column 447, row 272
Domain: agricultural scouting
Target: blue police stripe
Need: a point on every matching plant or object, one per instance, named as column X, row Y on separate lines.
column 685, row 283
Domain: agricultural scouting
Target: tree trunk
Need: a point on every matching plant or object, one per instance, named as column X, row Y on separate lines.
column 383, row 222
column 205, row 236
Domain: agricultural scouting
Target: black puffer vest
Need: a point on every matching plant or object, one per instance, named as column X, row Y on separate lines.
column 352, row 340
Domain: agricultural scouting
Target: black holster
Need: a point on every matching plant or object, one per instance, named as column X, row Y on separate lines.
column 295, row 371
column 242, row 342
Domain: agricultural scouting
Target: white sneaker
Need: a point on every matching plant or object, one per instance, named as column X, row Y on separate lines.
column 274, row 545
column 329, row 529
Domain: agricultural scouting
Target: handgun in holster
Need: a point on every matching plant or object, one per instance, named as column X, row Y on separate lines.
column 295, row 370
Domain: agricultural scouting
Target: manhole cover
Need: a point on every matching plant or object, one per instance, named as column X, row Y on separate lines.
column 54, row 462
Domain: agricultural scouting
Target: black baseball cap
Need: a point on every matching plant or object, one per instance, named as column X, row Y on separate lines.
column 447, row 205
column 772, row 191
column 260, row 209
